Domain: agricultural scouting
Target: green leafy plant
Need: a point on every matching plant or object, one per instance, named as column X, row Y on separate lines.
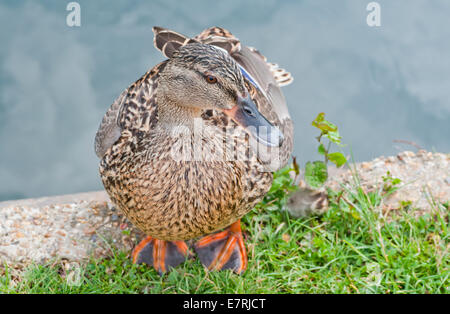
column 316, row 173
column 390, row 183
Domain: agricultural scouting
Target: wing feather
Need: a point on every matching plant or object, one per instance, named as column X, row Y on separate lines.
column 135, row 109
column 109, row 130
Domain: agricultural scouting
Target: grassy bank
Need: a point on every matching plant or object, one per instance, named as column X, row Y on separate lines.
column 355, row 247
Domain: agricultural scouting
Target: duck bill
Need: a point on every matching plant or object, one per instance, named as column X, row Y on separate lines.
column 248, row 116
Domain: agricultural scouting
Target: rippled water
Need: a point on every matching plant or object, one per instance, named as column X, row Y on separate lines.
column 379, row 84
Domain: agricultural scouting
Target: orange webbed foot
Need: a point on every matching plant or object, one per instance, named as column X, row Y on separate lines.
column 223, row 250
column 160, row 254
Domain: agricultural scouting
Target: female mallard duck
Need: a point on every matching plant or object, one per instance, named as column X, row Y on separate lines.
column 190, row 147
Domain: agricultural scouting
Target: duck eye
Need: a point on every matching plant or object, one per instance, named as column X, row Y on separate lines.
column 211, row 79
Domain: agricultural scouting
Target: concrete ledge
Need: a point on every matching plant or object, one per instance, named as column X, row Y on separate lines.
column 73, row 227
column 425, row 179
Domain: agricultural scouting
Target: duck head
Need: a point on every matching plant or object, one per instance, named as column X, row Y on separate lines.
column 199, row 77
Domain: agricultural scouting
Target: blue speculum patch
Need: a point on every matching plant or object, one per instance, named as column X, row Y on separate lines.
column 249, row 77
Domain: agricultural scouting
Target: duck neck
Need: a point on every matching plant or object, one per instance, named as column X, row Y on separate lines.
column 172, row 116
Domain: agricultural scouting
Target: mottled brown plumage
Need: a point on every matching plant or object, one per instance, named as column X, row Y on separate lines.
column 142, row 138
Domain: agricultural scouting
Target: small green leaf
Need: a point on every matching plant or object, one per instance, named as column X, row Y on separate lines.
column 337, row 158
column 320, row 117
column 328, row 129
column 333, row 136
column 316, row 174
column 321, row 149
column 324, row 125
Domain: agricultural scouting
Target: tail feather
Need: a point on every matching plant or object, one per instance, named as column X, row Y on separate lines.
column 220, row 37
column 282, row 76
column 168, row 41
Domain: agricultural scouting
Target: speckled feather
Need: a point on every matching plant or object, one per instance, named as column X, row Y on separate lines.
column 173, row 199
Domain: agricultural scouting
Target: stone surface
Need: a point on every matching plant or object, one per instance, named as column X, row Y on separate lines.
column 70, row 227
column 424, row 179
column 425, row 182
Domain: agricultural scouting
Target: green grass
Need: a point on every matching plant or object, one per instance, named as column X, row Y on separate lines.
column 353, row 248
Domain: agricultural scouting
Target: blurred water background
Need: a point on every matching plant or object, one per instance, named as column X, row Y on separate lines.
column 378, row 84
